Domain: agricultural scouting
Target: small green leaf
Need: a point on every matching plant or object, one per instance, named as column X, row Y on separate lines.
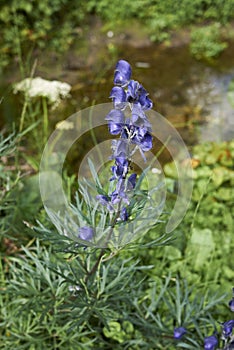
column 200, row 246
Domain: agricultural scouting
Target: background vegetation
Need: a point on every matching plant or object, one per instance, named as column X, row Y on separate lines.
column 31, row 25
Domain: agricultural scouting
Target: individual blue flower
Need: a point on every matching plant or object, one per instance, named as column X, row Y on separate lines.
column 210, row 342
column 141, row 121
column 123, row 72
column 119, row 193
column 131, row 182
column 137, row 94
column 133, row 91
column 116, row 121
column 142, row 138
column 105, row 201
column 144, row 100
column 227, row 328
column 179, row 332
column 120, row 169
column 86, row 233
column 120, row 148
column 119, row 97
column 138, row 136
column 231, row 304
column 124, row 214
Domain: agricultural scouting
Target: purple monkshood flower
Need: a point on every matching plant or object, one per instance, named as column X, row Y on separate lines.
column 179, row 332
column 105, row 201
column 141, row 121
column 139, row 136
column 231, row 304
column 116, row 121
column 137, row 94
column 227, row 328
column 119, row 97
column 124, row 214
column 123, row 72
column 120, row 169
column 143, row 139
column 86, row 233
column 120, row 193
column 131, row 182
column 210, row 342
column 119, row 148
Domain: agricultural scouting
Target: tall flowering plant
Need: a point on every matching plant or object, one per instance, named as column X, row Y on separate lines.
column 128, row 120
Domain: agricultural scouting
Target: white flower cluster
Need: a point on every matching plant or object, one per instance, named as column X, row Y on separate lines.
column 53, row 90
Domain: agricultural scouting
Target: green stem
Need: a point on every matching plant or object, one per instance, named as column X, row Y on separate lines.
column 95, row 266
column 45, row 119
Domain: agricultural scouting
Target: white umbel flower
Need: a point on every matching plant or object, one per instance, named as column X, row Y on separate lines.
column 53, row 90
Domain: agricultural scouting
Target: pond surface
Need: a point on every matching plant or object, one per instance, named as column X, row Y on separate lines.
column 190, row 94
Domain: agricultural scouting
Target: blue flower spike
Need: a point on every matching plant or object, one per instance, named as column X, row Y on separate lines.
column 179, row 332
column 135, row 134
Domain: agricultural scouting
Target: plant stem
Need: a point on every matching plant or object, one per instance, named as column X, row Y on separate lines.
column 95, row 266
column 45, row 118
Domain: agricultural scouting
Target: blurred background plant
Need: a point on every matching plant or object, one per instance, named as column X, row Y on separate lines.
column 34, row 25
column 206, row 42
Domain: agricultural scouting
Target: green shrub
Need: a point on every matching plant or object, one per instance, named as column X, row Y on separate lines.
column 27, row 25
column 208, row 225
column 206, row 42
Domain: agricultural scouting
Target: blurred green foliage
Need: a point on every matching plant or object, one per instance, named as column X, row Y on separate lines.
column 29, row 25
column 161, row 17
column 208, row 225
column 206, row 42
column 173, row 12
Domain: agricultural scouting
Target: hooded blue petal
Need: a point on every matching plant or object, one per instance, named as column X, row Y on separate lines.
column 118, row 96
column 116, row 121
column 123, row 72
column 131, row 182
column 124, row 214
column 133, row 91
